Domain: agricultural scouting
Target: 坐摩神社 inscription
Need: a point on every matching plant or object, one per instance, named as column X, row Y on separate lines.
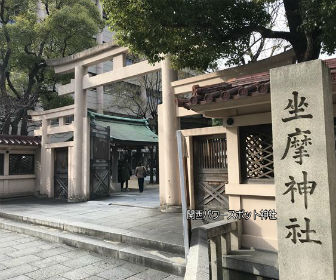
column 304, row 162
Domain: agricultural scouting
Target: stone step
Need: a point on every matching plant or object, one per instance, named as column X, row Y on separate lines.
column 98, row 231
column 155, row 259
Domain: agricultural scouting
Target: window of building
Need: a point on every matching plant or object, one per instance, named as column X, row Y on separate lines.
column 2, row 163
column 68, row 119
column 54, row 122
column 21, row 164
column 256, row 152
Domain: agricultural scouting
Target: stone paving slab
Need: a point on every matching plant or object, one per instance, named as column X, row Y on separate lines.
column 131, row 213
column 66, row 263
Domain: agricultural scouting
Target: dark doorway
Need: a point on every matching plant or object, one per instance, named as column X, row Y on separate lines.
column 210, row 172
column 61, row 173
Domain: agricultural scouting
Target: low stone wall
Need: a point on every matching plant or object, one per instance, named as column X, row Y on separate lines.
column 14, row 187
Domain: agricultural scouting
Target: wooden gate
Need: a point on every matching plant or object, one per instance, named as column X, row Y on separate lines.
column 99, row 161
column 210, row 172
column 61, row 173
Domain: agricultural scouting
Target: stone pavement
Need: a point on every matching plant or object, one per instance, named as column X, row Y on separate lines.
column 23, row 257
column 148, row 199
column 134, row 213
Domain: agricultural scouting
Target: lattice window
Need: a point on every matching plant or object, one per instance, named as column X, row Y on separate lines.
column 21, row 164
column 256, row 153
column 210, row 152
column 2, row 159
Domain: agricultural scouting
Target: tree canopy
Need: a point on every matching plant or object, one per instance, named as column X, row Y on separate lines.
column 199, row 32
column 31, row 32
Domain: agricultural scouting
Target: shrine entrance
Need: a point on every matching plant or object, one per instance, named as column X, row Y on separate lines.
column 210, row 172
column 61, row 173
column 112, row 143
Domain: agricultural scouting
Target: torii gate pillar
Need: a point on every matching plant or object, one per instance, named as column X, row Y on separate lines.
column 168, row 123
column 76, row 188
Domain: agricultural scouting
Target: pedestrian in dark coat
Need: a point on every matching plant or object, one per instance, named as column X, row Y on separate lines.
column 124, row 175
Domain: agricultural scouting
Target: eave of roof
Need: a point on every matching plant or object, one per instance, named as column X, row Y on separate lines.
column 16, row 140
column 245, row 87
column 126, row 131
column 94, row 115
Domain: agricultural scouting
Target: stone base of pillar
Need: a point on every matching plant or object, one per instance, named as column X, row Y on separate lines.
column 114, row 187
column 77, row 199
column 170, row 208
column 38, row 194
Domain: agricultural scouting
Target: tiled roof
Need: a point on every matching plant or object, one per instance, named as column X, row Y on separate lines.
column 125, row 130
column 251, row 85
column 20, row 140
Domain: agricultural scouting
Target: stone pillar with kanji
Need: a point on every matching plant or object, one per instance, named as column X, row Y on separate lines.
column 305, row 170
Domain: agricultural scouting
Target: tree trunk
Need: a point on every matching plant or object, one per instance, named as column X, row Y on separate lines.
column 24, row 129
column 14, row 125
column 151, row 164
column 156, row 129
column 306, row 43
column 307, row 47
column 6, row 126
column 138, row 157
column 157, row 165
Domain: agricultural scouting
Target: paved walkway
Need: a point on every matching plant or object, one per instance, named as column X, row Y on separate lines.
column 130, row 212
column 148, row 199
column 24, row 257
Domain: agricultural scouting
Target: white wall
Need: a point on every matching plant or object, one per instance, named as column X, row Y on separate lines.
column 19, row 185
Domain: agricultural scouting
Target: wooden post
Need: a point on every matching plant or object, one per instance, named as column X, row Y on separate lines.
column 186, row 229
column 190, row 167
column 226, row 243
column 216, row 258
column 151, row 164
column 234, row 176
column 157, row 178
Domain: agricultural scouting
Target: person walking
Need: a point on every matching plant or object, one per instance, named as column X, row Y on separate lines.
column 124, row 175
column 140, row 172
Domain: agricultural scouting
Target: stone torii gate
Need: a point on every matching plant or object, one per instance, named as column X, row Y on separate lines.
column 80, row 167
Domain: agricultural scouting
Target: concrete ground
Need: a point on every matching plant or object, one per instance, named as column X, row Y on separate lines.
column 134, row 213
column 133, row 183
column 24, row 257
column 148, row 199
